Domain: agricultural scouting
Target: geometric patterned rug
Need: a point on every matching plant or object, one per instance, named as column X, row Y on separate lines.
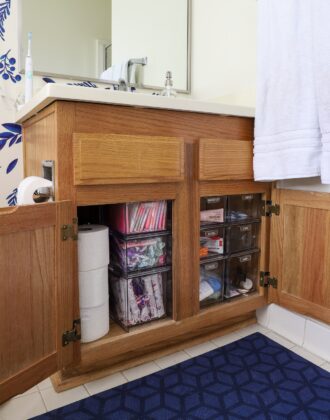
column 252, row 378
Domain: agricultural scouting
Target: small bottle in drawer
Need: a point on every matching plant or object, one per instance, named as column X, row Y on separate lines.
column 242, row 237
column 212, row 210
column 244, row 207
column 241, row 274
column 140, row 252
column 138, row 298
column 138, row 217
column 212, row 241
column 211, row 284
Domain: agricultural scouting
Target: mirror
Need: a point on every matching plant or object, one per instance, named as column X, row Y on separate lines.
column 108, row 40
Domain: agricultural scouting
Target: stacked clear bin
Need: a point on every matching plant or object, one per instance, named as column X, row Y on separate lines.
column 229, row 232
column 212, row 250
column 140, row 262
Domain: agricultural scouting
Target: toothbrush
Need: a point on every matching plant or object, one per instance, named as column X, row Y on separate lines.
column 29, row 71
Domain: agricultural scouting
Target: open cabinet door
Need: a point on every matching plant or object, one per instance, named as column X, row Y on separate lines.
column 37, row 295
column 300, row 252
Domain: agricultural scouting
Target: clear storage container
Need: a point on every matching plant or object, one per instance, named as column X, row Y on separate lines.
column 244, row 207
column 242, row 237
column 241, row 274
column 139, row 217
column 139, row 298
column 140, row 252
column 212, row 241
column 212, row 210
column 211, row 284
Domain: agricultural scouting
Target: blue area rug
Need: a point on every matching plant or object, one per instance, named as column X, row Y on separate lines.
column 253, row 378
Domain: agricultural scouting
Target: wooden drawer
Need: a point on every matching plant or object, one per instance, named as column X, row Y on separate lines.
column 221, row 159
column 126, row 159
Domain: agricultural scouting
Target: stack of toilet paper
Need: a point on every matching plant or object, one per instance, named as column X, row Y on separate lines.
column 93, row 260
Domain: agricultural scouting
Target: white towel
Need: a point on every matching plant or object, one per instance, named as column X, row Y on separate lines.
column 288, row 131
column 117, row 72
column 321, row 43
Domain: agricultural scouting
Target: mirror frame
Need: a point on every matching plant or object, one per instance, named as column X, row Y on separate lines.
column 21, row 60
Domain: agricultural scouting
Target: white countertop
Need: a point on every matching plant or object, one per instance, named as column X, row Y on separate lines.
column 55, row 91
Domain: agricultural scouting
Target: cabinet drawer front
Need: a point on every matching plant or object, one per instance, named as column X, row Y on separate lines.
column 221, row 159
column 123, row 159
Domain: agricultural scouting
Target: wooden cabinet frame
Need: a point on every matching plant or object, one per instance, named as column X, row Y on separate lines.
column 195, row 143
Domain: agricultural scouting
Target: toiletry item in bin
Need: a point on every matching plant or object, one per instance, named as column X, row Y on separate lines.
column 28, row 186
column 29, row 71
column 203, row 252
column 212, row 216
column 214, row 244
column 93, row 247
column 245, row 286
column 209, row 286
column 237, row 215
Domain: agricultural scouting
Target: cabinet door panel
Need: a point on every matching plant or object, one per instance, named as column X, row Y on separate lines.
column 32, row 282
column 221, row 159
column 122, row 159
column 300, row 252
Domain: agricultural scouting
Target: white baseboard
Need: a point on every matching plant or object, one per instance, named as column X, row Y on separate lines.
column 309, row 333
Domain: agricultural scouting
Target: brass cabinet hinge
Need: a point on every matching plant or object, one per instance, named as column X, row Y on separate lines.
column 267, row 281
column 269, row 209
column 72, row 335
column 70, row 231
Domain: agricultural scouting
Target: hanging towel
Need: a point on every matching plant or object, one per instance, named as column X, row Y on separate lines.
column 321, row 46
column 117, row 72
column 289, row 123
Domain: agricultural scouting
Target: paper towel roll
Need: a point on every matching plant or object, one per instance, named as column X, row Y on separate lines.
column 95, row 322
column 93, row 247
column 28, row 186
column 93, row 287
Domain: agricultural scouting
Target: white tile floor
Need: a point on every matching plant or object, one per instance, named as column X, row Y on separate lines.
column 43, row 398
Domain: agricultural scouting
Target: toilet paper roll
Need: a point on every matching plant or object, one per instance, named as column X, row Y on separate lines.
column 28, row 186
column 93, row 247
column 93, row 287
column 95, row 322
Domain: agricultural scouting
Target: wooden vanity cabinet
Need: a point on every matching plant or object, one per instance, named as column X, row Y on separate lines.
column 107, row 154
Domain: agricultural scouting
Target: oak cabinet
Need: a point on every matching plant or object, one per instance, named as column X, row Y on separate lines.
column 104, row 155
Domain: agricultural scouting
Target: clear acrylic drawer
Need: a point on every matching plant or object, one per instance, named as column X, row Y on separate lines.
column 242, row 237
column 212, row 241
column 241, row 274
column 138, row 217
column 213, row 210
column 211, row 284
column 140, row 298
column 140, row 252
column 244, row 207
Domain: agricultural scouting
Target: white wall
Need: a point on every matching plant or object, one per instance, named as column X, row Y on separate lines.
column 65, row 42
column 308, row 184
column 155, row 29
column 224, row 50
